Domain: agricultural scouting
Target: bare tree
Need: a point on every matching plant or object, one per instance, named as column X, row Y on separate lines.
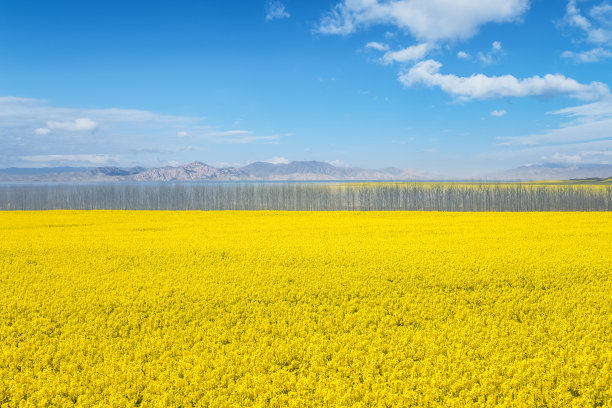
column 309, row 197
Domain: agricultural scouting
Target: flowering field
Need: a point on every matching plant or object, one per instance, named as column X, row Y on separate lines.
column 119, row 308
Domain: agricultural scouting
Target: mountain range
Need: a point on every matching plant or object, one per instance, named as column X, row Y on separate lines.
column 294, row 171
column 198, row 171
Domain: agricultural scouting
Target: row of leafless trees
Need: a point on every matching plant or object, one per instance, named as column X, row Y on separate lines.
column 303, row 196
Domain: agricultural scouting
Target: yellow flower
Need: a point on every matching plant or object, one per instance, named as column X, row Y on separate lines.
column 294, row 309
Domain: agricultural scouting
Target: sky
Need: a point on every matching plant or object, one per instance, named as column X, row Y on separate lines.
column 446, row 87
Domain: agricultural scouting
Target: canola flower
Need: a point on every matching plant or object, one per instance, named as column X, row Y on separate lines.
column 305, row 309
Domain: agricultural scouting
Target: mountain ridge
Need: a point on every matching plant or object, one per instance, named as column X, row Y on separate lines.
column 293, row 171
column 200, row 171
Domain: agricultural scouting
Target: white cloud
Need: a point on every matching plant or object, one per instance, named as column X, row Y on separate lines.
column 463, row 55
column 182, row 134
column 76, row 125
column 490, row 57
column 276, row 10
column 42, row 131
column 574, row 18
column 597, row 30
column 428, row 21
column 409, row 54
column 594, row 55
column 498, row 113
column 602, row 14
column 377, row 46
column 480, row 86
column 486, row 59
column 277, row 160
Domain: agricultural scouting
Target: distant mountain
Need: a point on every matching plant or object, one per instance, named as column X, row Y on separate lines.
column 267, row 170
column 316, row 170
column 68, row 174
column 554, row 171
column 198, row 171
column 189, row 172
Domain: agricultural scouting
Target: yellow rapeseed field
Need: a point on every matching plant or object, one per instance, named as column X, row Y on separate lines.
column 305, row 309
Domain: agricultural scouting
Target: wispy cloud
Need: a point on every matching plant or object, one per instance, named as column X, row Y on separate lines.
column 228, row 133
column 275, row 10
column 599, row 109
column 377, row 46
column 595, row 29
column 588, row 152
column 498, row 113
column 236, row 136
column 585, row 137
column 26, row 110
column 491, row 56
column 71, row 159
column 325, row 79
column 405, row 55
column 598, row 28
column 589, row 122
column 594, row 55
column 568, row 133
column 480, row 86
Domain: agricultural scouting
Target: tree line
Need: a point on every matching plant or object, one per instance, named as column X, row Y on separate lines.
column 308, row 197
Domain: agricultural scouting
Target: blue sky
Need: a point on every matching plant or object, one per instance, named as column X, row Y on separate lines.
column 450, row 87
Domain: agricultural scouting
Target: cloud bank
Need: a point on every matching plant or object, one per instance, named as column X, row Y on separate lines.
column 33, row 132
